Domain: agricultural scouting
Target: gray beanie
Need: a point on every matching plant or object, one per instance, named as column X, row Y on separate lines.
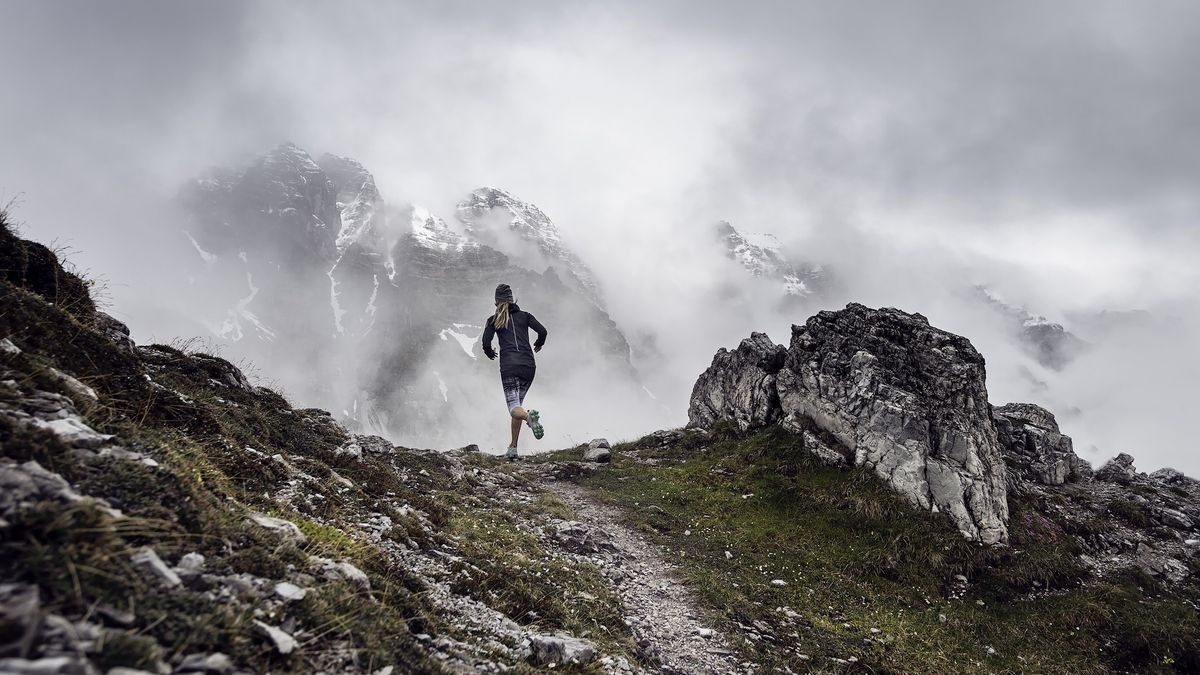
column 504, row 293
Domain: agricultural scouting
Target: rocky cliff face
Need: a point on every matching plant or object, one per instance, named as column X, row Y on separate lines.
column 375, row 309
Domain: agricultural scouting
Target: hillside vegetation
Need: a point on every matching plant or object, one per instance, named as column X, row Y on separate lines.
column 813, row 567
column 154, row 501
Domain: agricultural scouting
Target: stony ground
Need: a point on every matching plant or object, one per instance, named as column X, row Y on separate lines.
column 664, row 616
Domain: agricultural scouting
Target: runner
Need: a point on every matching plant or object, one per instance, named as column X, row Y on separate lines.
column 517, row 365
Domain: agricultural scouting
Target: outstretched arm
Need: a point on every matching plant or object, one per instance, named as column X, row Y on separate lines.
column 489, row 333
column 541, row 332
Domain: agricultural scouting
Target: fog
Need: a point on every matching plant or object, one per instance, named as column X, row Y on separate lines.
column 1048, row 151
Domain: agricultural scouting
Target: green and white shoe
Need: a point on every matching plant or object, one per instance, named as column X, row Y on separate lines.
column 512, row 453
column 538, row 431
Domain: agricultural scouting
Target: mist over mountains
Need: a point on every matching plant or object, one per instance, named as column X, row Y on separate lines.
column 912, row 155
column 375, row 310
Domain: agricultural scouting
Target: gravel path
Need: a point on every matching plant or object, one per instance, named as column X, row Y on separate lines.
column 662, row 613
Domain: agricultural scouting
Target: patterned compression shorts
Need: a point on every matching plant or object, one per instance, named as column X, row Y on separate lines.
column 515, row 388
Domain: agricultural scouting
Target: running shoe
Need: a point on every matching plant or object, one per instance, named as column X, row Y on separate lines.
column 538, row 431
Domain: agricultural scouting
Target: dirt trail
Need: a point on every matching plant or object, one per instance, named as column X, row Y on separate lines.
column 663, row 615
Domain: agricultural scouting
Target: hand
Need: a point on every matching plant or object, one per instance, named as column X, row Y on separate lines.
column 537, row 348
column 492, row 356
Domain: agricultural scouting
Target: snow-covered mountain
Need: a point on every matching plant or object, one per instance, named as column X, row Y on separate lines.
column 524, row 233
column 762, row 256
column 375, row 309
column 1049, row 343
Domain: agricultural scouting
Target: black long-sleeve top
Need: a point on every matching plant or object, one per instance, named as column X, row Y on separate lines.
column 516, row 354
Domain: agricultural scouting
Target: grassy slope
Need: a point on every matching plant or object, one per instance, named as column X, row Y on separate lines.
column 199, row 432
column 855, row 557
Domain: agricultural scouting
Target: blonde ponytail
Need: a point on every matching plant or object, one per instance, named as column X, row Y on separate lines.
column 501, row 319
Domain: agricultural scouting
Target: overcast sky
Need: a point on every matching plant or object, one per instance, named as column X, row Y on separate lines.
column 1050, row 149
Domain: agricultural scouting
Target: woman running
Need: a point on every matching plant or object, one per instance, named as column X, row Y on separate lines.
column 517, row 366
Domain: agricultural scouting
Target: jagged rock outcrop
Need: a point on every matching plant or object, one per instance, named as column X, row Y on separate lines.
column 740, row 385
column 1119, row 469
column 906, row 399
column 910, row 401
column 1035, row 448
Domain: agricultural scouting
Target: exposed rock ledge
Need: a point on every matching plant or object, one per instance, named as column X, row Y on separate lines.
column 900, row 397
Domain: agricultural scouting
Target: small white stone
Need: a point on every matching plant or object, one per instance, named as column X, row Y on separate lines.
column 289, row 591
column 190, row 564
column 778, row 582
column 148, row 561
column 284, row 643
column 288, row 529
column 728, row 555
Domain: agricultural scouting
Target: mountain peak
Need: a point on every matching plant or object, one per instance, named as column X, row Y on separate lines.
column 760, row 254
column 358, row 201
column 493, row 216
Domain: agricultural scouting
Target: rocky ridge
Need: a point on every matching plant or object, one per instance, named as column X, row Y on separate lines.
column 884, row 390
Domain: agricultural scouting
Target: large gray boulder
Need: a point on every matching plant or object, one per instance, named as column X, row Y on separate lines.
column 598, row 450
column 893, row 393
column 1033, row 446
column 910, row 401
column 739, row 385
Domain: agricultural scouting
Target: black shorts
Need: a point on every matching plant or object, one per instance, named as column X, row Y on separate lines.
column 515, row 388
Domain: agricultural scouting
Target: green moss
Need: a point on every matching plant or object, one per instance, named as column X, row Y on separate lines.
column 378, row 628
column 508, row 570
column 553, row 505
column 1041, row 556
column 119, row 649
column 1131, row 512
